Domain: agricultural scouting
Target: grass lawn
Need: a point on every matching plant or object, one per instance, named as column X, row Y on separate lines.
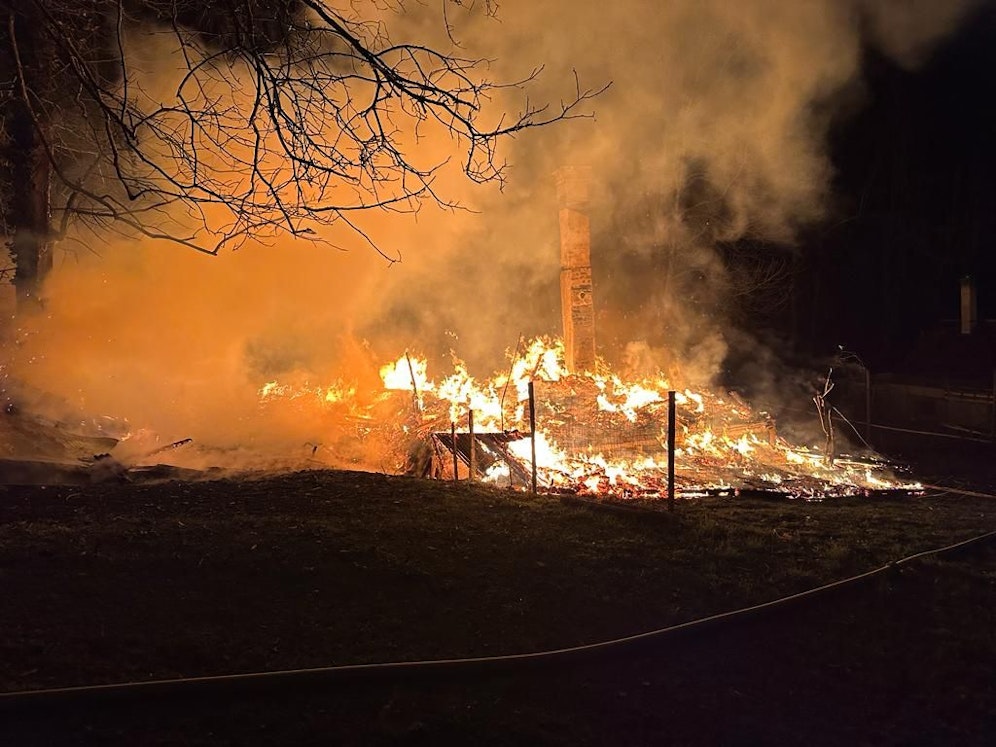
column 133, row 582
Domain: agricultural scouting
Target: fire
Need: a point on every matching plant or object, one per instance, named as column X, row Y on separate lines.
column 595, row 432
column 407, row 374
column 337, row 392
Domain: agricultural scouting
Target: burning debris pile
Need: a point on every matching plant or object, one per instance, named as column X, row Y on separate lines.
column 594, row 432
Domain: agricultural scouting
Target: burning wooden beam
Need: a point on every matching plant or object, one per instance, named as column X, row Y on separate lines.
column 576, row 301
column 480, row 452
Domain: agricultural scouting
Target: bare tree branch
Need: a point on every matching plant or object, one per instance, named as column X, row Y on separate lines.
column 285, row 115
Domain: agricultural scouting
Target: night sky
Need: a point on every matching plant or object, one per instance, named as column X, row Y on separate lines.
column 915, row 196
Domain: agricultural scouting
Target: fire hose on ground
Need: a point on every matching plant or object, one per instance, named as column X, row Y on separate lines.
column 472, row 666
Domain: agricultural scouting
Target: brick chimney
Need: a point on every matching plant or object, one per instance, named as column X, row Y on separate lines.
column 576, row 303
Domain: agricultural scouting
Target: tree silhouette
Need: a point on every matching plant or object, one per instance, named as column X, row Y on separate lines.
column 278, row 117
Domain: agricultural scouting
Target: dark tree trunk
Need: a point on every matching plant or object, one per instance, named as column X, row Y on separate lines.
column 28, row 212
column 29, row 216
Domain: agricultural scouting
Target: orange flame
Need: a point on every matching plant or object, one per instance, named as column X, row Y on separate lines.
column 722, row 443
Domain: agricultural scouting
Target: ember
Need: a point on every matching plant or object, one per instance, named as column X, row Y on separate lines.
column 595, row 433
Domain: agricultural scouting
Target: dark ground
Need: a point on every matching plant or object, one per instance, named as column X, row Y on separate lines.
column 134, row 582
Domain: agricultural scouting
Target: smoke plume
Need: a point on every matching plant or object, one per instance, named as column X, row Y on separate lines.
column 712, row 131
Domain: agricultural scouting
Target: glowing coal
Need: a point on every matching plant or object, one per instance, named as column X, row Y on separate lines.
column 596, row 433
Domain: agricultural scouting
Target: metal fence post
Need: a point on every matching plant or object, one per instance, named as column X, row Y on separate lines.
column 472, row 474
column 456, row 472
column 670, row 449
column 532, row 430
column 868, row 405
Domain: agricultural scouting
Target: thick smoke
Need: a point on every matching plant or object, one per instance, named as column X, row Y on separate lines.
column 712, row 131
column 908, row 30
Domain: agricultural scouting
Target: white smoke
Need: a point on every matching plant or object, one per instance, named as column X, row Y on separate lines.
column 713, row 130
